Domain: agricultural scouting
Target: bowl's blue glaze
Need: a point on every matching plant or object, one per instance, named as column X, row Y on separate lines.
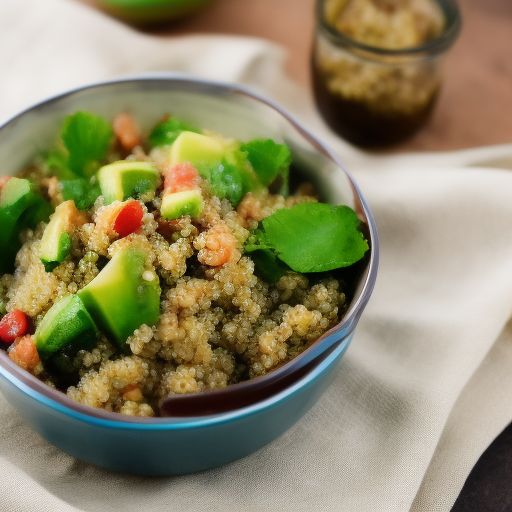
column 165, row 446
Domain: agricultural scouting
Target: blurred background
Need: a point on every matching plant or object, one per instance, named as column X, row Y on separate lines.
column 475, row 103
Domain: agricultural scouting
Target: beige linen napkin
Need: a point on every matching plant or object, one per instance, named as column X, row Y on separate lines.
column 425, row 385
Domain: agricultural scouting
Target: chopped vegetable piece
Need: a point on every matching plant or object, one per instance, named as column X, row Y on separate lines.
column 129, row 219
column 124, row 179
column 314, row 237
column 177, row 204
column 197, row 149
column 124, row 295
column 81, row 191
column 232, row 177
column 13, row 325
column 166, row 132
column 269, row 160
column 20, row 207
column 181, row 177
column 67, row 324
column 56, row 241
column 182, row 193
column 24, row 353
column 87, row 138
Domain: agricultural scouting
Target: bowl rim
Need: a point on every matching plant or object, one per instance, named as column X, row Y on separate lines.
column 341, row 333
column 109, row 419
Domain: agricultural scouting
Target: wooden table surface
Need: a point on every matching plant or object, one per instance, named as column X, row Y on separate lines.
column 475, row 105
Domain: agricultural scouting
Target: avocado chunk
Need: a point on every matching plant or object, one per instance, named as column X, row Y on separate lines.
column 66, row 324
column 177, row 204
column 124, row 295
column 197, row 149
column 124, row 179
column 21, row 206
column 56, row 242
column 220, row 162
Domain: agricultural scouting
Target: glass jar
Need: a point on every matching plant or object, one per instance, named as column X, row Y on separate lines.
column 374, row 96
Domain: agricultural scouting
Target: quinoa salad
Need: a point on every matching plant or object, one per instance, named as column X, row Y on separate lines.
column 137, row 266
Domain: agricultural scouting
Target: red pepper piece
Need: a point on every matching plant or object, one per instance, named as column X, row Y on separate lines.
column 129, row 219
column 13, row 325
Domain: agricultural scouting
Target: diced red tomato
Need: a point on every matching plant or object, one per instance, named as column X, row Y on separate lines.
column 181, row 177
column 13, row 325
column 129, row 219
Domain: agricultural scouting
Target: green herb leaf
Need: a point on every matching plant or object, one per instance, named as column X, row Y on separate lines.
column 56, row 163
column 232, row 177
column 315, row 237
column 87, row 138
column 225, row 180
column 267, row 265
column 270, row 161
column 167, row 131
column 82, row 191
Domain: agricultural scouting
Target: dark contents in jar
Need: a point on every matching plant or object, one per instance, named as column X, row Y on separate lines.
column 370, row 97
column 358, row 123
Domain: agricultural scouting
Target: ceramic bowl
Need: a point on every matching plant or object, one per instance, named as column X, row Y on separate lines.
column 211, row 437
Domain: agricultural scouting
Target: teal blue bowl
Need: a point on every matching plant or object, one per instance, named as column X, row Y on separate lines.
column 166, row 446
column 252, row 414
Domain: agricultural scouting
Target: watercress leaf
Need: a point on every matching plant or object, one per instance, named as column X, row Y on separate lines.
column 82, row 191
column 166, row 132
column 87, row 138
column 269, row 160
column 315, row 237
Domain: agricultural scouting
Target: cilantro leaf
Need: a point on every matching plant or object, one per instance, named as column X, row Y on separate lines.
column 82, row 191
column 270, row 161
column 310, row 237
column 167, row 131
column 87, row 138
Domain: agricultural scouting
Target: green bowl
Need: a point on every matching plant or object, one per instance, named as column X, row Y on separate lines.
column 151, row 12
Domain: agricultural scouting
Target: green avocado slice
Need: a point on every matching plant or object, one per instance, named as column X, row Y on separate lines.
column 177, row 204
column 56, row 242
column 124, row 295
column 67, row 324
column 220, row 162
column 21, row 206
column 197, row 149
column 124, row 179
